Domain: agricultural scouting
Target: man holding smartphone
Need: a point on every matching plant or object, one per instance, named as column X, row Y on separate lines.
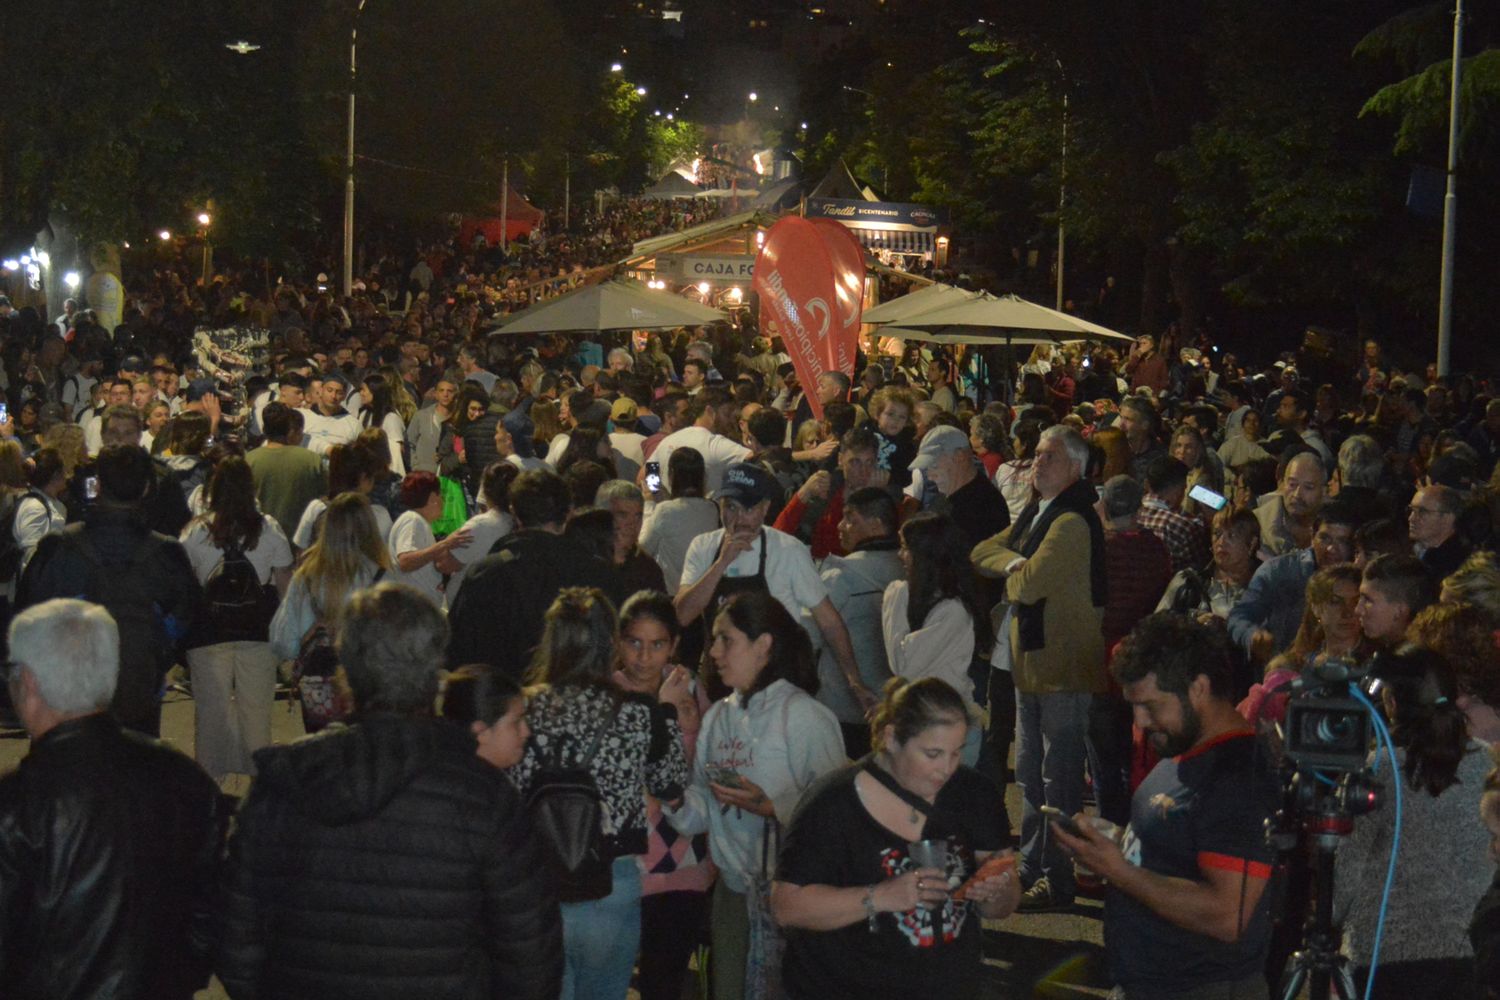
column 1187, row 915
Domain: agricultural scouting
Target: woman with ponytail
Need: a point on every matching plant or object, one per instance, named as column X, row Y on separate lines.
column 631, row 746
column 1440, row 870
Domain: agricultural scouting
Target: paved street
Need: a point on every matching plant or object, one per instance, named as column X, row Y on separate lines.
column 1063, row 950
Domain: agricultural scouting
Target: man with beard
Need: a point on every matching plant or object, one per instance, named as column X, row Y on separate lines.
column 1187, row 912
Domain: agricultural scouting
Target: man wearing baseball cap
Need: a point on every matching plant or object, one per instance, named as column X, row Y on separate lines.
column 946, row 457
column 745, row 555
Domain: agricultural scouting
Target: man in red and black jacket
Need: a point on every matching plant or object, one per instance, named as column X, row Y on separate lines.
column 1187, row 907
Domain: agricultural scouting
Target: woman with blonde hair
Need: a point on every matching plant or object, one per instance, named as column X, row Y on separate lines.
column 68, row 440
column 1329, row 630
column 12, row 465
column 1111, row 443
column 1476, row 582
column 1465, row 635
column 347, row 555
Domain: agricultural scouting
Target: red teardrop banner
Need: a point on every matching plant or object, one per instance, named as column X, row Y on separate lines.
column 810, row 279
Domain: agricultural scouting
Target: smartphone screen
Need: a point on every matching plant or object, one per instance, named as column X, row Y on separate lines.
column 653, row 477
column 1063, row 820
column 4, row 412
column 91, row 488
column 1207, row 497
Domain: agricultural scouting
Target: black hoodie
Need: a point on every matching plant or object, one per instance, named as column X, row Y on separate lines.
column 375, row 857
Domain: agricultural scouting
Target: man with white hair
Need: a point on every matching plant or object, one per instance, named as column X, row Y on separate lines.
column 109, row 840
column 1054, row 565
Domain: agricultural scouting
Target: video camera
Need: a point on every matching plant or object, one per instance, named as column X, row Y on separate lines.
column 1326, row 729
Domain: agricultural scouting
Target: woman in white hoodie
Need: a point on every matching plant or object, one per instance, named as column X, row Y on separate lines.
column 749, row 769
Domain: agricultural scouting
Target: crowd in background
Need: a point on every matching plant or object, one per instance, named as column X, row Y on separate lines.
column 722, row 594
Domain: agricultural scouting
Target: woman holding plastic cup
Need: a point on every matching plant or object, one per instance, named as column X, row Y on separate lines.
column 876, row 882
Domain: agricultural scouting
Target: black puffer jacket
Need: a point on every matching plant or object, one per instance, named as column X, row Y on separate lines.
column 386, row 860
column 109, row 850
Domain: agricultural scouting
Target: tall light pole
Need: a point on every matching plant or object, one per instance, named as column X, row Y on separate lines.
column 1062, row 189
column 1450, row 200
column 349, row 160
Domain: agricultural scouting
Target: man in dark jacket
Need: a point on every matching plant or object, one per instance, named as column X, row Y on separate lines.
column 109, row 842
column 497, row 618
column 143, row 578
column 386, row 860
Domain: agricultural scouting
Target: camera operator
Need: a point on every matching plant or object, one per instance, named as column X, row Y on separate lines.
column 1440, row 874
column 1186, row 916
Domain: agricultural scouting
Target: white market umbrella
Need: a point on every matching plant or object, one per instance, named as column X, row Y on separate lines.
column 1004, row 319
column 969, row 336
column 915, row 303
column 611, row 305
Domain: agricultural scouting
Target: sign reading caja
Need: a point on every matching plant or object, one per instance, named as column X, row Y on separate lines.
column 729, row 268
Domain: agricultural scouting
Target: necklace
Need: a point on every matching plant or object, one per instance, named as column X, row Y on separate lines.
column 912, row 815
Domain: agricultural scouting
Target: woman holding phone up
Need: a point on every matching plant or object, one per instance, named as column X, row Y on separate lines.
column 867, row 879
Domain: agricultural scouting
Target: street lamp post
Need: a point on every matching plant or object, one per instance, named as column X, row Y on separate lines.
column 1062, row 190
column 1450, row 201
column 349, row 160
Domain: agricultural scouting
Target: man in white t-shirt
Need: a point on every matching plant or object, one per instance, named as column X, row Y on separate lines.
column 746, row 548
column 624, row 439
column 713, row 413
column 327, row 423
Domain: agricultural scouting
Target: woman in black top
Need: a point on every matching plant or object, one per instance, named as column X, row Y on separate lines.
column 863, row 920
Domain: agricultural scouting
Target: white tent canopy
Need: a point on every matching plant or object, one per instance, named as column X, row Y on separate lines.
column 915, row 303
column 984, row 316
column 612, row 305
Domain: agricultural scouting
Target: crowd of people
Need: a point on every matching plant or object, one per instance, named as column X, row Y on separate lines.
column 782, row 637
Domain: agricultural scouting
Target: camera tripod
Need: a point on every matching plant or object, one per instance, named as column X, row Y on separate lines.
column 1319, row 961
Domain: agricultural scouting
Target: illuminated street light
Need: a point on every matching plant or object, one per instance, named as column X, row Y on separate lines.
column 669, row 116
column 243, row 47
column 72, row 280
column 754, row 96
column 641, row 91
column 615, row 67
column 165, row 234
column 204, row 218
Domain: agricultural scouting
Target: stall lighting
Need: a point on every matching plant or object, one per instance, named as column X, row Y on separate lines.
column 25, row 259
column 703, row 287
column 164, row 235
column 71, row 279
column 735, row 294
column 760, row 237
column 11, row 265
column 43, row 257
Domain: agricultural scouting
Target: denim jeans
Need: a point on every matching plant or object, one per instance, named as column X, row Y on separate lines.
column 601, row 937
column 1109, row 756
column 1053, row 730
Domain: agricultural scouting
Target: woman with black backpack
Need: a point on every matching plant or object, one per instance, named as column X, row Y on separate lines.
column 242, row 559
column 586, row 734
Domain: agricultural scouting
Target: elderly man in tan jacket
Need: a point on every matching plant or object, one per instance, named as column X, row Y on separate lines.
column 1052, row 559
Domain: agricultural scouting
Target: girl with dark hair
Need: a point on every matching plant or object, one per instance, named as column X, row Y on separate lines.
column 492, row 523
column 379, row 410
column 234, row 673
column 575, row 707
column 677, row 874
column 587, row 444
column 1439, row 878
column 933, row 623
column 348, row 472
column 877, row 917
column 493, row 707
column 40, row 510
column 759, row 750
column 1013, row 477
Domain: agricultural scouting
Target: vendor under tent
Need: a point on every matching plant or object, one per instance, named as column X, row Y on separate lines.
column 611, row 305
